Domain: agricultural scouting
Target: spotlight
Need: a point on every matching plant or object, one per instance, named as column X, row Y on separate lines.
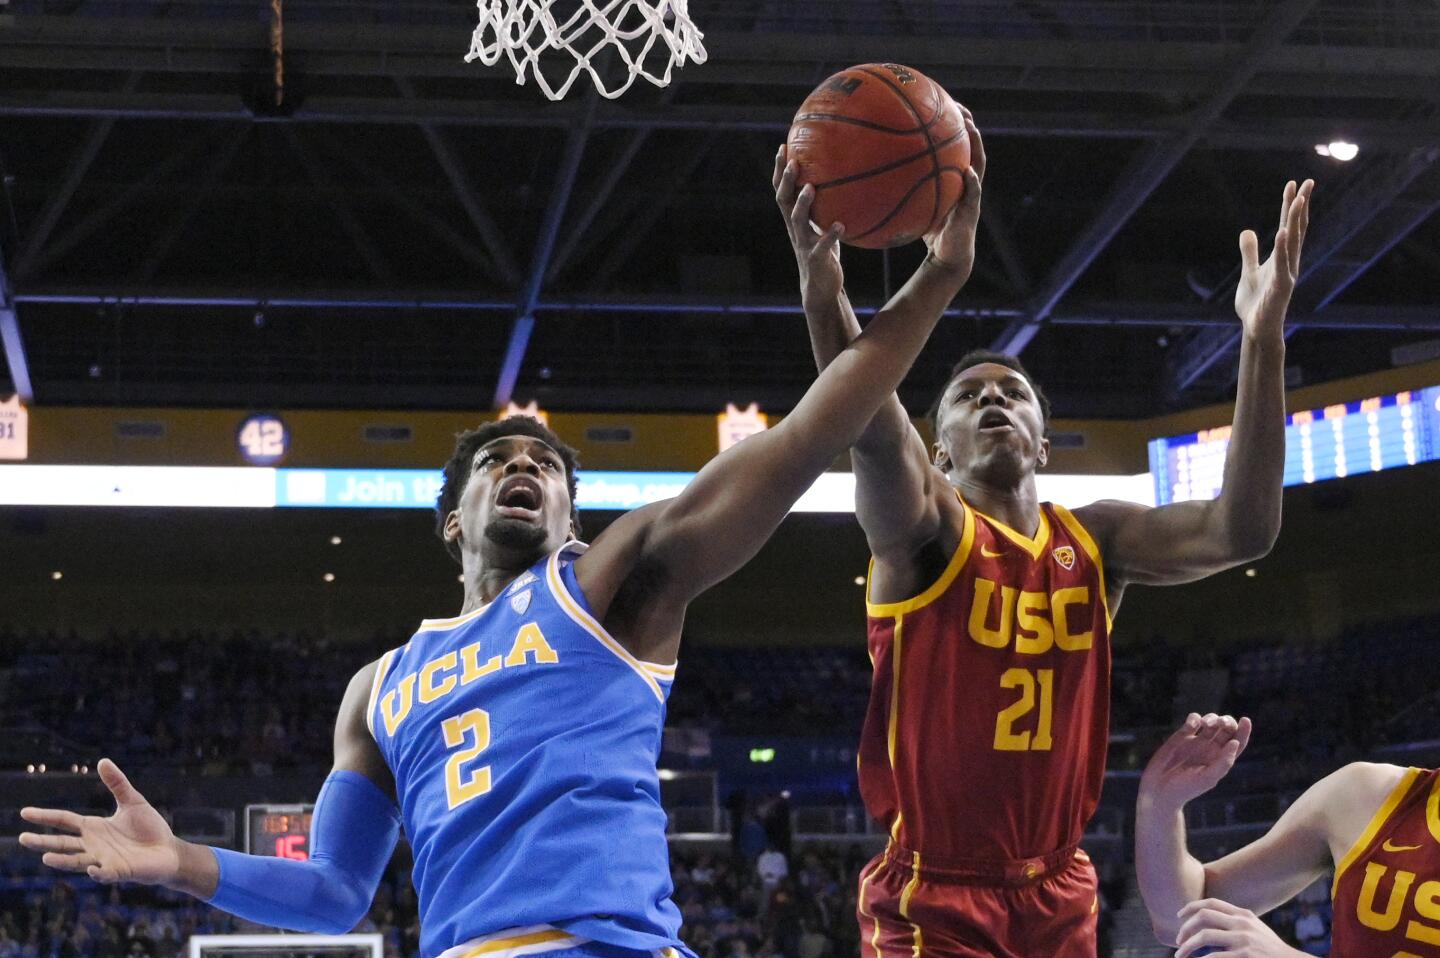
column 1339, row 150
column 1250, row 573
column 336, row 540
column 329, row 577
column 859, row 580
column 57, row 575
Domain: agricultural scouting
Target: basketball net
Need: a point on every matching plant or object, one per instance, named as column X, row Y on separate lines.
column 643, row 32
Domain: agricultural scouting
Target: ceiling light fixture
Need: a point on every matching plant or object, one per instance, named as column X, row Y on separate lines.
column 1340, row 150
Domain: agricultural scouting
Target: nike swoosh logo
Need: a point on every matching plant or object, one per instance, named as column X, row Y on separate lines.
column 985, row 551
column 1391, row 847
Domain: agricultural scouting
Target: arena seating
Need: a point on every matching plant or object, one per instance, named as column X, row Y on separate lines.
column 178, row 707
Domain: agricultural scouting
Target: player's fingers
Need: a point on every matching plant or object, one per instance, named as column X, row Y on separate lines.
column 1286, row 198
column 977, row 148
column 826, row 245
column 51, row 843
column 779, row 168
column 1209, row 727
column 800, row 212
column 52, row 818
column 1180, row 738
column 973, row 190
column 119, row 785
column 785, row 192
column 1285, row 272
column 1217, row 905
column 105, row 876
column 1242, row 734
column 68, row 863
column 1292, row 231
column 1212, row 915
column 1228, row 754
column 1249, row 251
column 1217, row 938
column 1306, row 189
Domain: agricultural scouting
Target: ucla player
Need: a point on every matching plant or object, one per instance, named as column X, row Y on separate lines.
column 516, row 741
column 983, row 748
column 1377, row 826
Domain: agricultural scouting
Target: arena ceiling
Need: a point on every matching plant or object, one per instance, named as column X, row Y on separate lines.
column 408, row 230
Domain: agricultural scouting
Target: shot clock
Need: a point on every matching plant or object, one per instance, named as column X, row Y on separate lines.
column 280, row 831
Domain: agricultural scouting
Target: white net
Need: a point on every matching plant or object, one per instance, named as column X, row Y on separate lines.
column 651, row 38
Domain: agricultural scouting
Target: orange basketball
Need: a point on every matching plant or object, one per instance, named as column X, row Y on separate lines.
column 885, row 148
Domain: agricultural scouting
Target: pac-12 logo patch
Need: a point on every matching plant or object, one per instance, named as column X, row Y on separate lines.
column 1065, row 555
column 520, row 602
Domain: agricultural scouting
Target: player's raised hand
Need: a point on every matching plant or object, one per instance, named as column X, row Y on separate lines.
column 1263, row 293
column 1227, row 930
column 132, row 845
column 953, row 244
column 817, row 254
column 1194, row 759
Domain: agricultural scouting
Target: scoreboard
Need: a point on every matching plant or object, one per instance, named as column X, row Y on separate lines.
column 280, row 831
column 1382, row 432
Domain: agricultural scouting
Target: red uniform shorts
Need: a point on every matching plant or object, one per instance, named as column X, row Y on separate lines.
column 1037, row 908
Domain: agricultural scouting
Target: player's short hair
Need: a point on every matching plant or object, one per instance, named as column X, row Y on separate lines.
column 457, row 470
column 976, row 357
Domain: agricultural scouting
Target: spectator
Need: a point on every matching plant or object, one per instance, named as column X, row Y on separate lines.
column 771, row 867
column 1310, row 932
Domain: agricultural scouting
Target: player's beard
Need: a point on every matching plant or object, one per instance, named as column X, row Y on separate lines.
column 515, row 534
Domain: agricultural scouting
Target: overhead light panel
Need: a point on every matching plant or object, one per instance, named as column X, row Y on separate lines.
column 1341, row 150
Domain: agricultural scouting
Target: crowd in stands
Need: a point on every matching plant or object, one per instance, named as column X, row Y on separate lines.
column 252, row 705
column 733, row 906
column 240, row 703
column 45, row 916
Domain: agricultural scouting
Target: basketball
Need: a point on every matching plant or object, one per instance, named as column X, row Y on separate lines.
column 885, row 148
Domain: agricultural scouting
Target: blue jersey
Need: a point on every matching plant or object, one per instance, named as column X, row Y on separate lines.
column 523, row 739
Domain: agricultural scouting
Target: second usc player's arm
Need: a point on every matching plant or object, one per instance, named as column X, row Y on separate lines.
column 1185, row 541
column 1316, row 830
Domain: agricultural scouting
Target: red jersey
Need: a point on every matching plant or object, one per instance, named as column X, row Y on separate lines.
column 985, row 739
column 1387, row 888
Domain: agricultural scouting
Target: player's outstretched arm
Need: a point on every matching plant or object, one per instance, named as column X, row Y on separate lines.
column 1185, row 541
column 1195, row 904
column 353, row 831
column 896, row 484
column 1190, row 763
column 682, row 546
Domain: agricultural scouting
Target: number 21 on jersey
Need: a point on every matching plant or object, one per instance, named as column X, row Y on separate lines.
column 1007, row 739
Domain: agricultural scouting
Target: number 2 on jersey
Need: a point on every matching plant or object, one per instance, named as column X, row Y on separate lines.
column 460, row 787
column 1006, row 738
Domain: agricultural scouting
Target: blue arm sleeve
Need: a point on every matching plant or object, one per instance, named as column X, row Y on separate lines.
column 352, row 834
